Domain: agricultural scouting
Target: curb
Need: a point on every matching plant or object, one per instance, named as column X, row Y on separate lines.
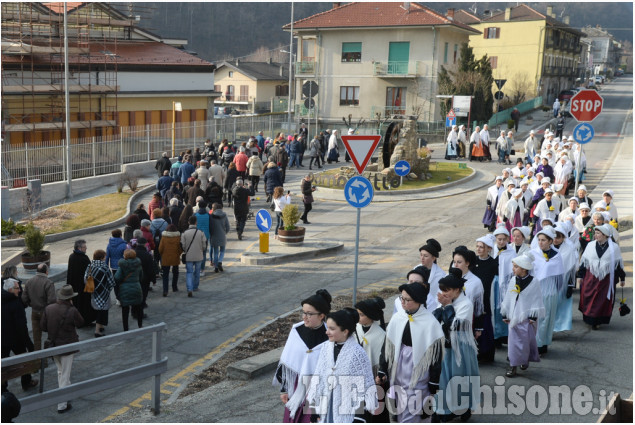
column 257, row 258
column 65, row 235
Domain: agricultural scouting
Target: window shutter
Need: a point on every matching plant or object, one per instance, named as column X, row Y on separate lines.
column 498, row 32
column 485, row 32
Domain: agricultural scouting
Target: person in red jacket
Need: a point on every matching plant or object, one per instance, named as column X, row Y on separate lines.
column 241, row 162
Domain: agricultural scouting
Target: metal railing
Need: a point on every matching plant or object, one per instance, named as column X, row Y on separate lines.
column 399, row 68
column 505, row 115
column 305, row 67
column 154, row 369
column 94, row 156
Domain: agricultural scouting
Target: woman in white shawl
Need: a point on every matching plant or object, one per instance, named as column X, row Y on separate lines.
column 601, row 266
column 371, row 334
column 562, row 171
column 548, row 207
column 333, row 151
column 452, row 144
column 413, row 354
column 570, row 256
column 343, row 375
column 549, row 271
column 514, row 213
column 300, row 356
column 493, row 196
column 521, row 308
column 462, row 141
column 520, row 236
column 460, row 365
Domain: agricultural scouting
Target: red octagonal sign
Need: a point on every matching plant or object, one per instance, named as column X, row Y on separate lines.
column 586, row 105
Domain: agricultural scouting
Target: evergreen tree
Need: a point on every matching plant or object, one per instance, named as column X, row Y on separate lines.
column 473, row 78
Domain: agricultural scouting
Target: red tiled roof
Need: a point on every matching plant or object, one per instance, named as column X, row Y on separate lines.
column 466, row 17
column 58, row 7
column 127, row 53
column 381, row 14
column 522, row 12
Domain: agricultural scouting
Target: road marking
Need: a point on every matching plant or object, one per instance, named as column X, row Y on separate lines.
column 185, row 373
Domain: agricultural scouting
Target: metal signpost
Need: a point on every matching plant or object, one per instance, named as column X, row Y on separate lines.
column 359, row 190
column 586, row 105
column 264, row 221
column 582, row 133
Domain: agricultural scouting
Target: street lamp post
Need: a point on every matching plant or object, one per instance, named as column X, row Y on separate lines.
column 176, row 106
column 290, row 71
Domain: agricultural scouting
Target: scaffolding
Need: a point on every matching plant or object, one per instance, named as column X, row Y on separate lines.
column 33, row 70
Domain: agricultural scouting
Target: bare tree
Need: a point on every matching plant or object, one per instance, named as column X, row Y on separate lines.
column 519, row 87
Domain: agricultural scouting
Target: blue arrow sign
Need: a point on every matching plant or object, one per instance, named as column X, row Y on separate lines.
column 402, row 168
column 358, row 192
column 583, row 133
column 263, row 220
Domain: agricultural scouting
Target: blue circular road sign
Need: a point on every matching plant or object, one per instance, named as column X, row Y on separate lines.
column 583, row 133
column 402, row 168
column 263, row 220
column 358, row 192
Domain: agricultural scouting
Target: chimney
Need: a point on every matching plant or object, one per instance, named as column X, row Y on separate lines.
column 508, row 13
column 406, row 5
column 566, row 20
column 450, row 13
column 549, row 10
column 281, row 69
column 553, row 15
column 336, row 4
column 236, row 62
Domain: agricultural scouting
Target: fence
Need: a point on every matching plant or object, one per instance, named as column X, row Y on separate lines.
column 154, row 369
column 93, row 156
column 504, row 116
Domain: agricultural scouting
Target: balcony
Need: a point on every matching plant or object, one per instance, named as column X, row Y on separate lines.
column 387, row 111
column 407, row 69
column 228, row 98
column 305, row 68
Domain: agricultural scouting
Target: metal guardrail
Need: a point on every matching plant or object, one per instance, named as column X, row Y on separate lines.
column 153, row 369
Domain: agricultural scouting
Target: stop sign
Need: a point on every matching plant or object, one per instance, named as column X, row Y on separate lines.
column 586, row 105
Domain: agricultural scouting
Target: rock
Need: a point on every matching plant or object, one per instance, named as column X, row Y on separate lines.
column 386, row 171
column 412, row 175
column 372, row 167
column 429, row 175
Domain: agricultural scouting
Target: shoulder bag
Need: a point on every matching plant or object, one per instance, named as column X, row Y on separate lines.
column 184, row 255
column 90, row 282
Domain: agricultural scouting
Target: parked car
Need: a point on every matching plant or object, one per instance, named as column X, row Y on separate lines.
column 565, row 109
column 619, row 72
column 599, row 79
column 565, row 95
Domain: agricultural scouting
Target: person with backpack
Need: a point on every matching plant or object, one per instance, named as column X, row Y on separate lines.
column 157, row 226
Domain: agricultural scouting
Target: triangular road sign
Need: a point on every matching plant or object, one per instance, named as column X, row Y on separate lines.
column 361, row 148
column 451, row 114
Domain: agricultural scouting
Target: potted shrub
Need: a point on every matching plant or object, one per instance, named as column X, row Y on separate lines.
column 291, row 234
column 34, row 241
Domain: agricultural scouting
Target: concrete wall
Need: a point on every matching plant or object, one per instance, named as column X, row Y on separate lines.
column 55, row 193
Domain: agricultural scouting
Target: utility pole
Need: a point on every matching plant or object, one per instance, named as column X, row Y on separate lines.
column 290, row 72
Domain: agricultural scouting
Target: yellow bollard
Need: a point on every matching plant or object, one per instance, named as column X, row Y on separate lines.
column 264, row 242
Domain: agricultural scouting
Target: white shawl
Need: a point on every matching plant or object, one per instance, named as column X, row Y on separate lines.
column 436, row 273
column 600, row 267
column 505, row 270
column 550, row 273
column 512, row 205
column 461, row 330
column 296, row 362
column 474, row 291
column 529, row 303
column 427, row 342
column 347, row 382
column 372, row 342
column 542, row 209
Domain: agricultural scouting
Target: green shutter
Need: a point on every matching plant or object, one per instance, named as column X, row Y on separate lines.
column 352, row 47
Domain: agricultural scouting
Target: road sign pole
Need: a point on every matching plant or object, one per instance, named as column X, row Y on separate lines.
column 356, row 257
column 577, row 167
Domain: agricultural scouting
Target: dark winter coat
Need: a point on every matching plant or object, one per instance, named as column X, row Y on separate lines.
column 147, row 265
column 164, row 184
column 163, row 164
column 142, row 214
column 219, row 228
column 241, row 200
column 214, row 193
column 114, row 251
column 15, row 334
column 128, row 278
column 77, row 264
column 185, row 172
column 273, row 179
column 175, row 213
column 230, row 179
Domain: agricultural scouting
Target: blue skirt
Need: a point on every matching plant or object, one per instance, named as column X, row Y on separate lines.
column 458, row 383
column 564, row 312
column 547, row 323
column 501, row 329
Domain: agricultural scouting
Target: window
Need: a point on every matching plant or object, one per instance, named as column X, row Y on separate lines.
column 308, row 50
column 216, row 87
column 244, row 93
column 229, row 94
column 456, row 52
column 351, row 52
column 445, row 53
column 493, row 61
column 231, row 74
column 395, row 100
column 282, row 90
column 349, row 95
column 492, row 32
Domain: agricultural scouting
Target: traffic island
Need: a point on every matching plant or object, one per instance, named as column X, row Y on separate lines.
column 279, row 253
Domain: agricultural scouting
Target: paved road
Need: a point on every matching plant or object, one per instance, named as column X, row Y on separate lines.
column 229, row 305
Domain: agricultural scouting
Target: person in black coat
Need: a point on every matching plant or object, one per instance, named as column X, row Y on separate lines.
column 230, row 179
column 147, row 265
column 241, row 206
column 175, row 211
column 273, row 179
column 78, row 262
column 163, row 164
column 141, row 212
column 15, row 334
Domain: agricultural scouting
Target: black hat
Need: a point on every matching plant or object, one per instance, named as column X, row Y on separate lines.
column 454, row 280
column 321, row 301
column 372, row 307
column 346, row 319
column 417, row 291
column 424, row 272
column 142, row 241
column 469, row 255
column 432, row 246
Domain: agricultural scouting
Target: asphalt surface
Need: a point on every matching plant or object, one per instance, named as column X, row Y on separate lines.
column 231, row 305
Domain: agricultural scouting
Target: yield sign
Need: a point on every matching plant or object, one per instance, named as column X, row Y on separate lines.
column 361, row 148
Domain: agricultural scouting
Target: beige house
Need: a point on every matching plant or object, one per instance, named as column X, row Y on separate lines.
column 253, row 87
column 375, row 58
